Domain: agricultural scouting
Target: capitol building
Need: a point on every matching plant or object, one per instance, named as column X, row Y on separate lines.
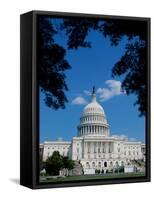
column 94, row 148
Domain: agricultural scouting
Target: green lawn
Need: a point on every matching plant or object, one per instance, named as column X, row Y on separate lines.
column 88, row 177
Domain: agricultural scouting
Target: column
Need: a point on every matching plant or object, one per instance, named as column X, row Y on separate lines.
column 84, row 150
column 87, row 149
column 86, row 129
column 96, row 149
column 92, row 129
column 107, row 147
column 91, row 150
column 102, row 147
column 112, row 147
column 88, row 145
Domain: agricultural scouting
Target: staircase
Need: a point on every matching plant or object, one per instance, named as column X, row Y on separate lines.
column 77, row 170
column 140, row 163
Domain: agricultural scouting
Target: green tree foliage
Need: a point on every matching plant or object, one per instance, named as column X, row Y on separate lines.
column 133, row 63
column 68, row 163
column 121, row 169
column 42, row 165
column 56, row 162
column 51, row 64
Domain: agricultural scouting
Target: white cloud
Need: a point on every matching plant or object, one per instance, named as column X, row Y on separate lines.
column 99, row 90
column 79, row 101
column 123, row 136
column 88, row 93
column 132, row 139
column 113, row 89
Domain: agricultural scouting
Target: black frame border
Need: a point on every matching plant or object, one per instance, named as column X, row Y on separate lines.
column 29, row 96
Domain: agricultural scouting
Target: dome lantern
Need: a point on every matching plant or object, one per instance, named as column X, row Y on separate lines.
column 93, row 99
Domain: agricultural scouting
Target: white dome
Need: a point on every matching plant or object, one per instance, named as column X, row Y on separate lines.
column 93, row 108
column 93, row 120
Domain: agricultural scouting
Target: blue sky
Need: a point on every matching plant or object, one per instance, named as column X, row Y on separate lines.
column 92, row 66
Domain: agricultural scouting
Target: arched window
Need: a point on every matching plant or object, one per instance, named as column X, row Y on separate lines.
column 117, row 164
column 111, row 163
column 105, row 164
column 99, row 164
column 122, row 163
column 93, row 164
column 87, row 165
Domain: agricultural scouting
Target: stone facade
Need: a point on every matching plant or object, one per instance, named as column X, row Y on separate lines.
column 93, row 146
